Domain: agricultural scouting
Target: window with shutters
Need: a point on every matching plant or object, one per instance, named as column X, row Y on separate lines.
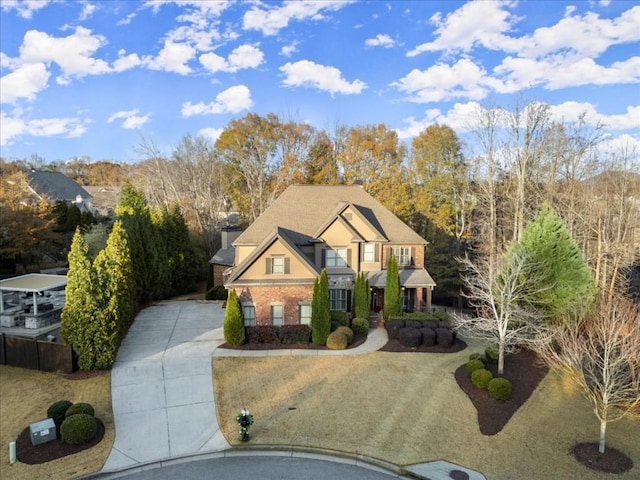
column 277, row 315
column 336, row 257
column 277, row 265
column 402, row 254
column 249, row 313
column 369, row 254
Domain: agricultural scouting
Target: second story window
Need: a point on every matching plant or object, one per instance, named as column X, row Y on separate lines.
column 402, row 254
column 336, row 257
column 277, row 265
column 369, row 254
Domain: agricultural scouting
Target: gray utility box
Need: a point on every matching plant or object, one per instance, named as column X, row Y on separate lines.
column 43, row 431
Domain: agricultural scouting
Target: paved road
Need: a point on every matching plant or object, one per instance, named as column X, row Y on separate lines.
column 263, row 468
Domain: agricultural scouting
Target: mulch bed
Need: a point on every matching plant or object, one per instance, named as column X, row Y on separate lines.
column 611, row 461
column 358, row 339
column 394, row 345
column 524, row 372
column 32, row 455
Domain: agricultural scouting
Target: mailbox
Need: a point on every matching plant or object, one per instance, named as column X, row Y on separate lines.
column 43, row 431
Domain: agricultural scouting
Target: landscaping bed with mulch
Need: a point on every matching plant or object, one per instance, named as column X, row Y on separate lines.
column 611, row 461
column 358, row 339
column 394, row 345
column 31, row 454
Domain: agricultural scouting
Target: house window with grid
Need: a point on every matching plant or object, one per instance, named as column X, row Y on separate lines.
column 304, row 311
column 277, row 315
column 336, row 257
column 369, row 252
column 249, row 313
column 402, row 254
column 277, row 265
column 338, row 299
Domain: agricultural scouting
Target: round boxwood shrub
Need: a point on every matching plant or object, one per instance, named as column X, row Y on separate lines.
column 78, row 429
column 410, row 337
column 473, row 365
column 445, row 336
column 430, row 324
column 476, row 356
column 428, row 336
column 77, row 408
column 491, row 353
column 393, row 328
column 337, row 341
column 500, row 389
column 481, row 377
column 58, row 410
column 347, row 332
column 413, row 324
column 360, row 325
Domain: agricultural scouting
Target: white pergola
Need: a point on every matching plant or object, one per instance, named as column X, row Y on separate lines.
column 31, row 283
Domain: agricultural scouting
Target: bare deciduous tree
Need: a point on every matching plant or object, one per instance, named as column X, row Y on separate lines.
column 502, row 301
column 601, row 353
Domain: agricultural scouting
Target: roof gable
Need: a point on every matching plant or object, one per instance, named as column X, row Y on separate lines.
column 55, row 186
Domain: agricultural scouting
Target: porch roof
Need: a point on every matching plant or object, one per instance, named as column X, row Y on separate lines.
column 409, row 278
column 33, row 283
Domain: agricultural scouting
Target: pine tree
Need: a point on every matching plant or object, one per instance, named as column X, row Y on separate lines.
column 233, row 320
column 320, row 313
column 80, row 305
column 392, row 301
column 362, row 297
column 565, row 284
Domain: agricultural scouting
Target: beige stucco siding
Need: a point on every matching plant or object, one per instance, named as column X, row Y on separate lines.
column 258, row 270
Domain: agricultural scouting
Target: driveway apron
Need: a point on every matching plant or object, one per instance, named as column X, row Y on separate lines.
column 161, row 385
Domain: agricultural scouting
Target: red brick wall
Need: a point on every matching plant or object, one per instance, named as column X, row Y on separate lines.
column 289, row 296
column 218, row 270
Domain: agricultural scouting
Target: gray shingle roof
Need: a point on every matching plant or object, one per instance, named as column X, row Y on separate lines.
column 56, row 186
column 303, row 209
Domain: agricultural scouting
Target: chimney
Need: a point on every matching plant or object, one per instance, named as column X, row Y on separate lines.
column 229, row 234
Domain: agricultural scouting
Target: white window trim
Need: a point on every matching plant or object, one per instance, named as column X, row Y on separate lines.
column 281, row 305
column 337, row 254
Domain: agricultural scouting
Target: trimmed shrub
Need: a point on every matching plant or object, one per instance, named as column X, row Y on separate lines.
column 290, row 334
column 78, row 408
column 393, row 328
column 430, row 324
column 491, row 353
column 341, row 317
column 476, row 356
column 360, row 325
column 78, row 429
column 233, row 326
column 500, row 389
column 413, row 324
column 217, row 293
column 337, row 341
column 347, row 332
column 473, row 365
column 58, row 410
column 444, row 337
column 428, row 336
column 481, row 377
column 410, row 337
column 262, row 334
column 419, row 316
column 441, row 316
column 335, row 325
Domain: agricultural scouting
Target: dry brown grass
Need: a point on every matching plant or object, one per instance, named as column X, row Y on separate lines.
column 25, row 396
column 406, row 409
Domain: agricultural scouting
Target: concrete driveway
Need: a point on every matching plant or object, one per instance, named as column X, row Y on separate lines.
column 161, row 385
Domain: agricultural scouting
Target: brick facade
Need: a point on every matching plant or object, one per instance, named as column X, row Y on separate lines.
column 290, row 297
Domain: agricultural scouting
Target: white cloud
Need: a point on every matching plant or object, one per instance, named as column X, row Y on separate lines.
column 25, row 8
column 380, row 40
column 242, row 57
column 88, row 9
column 232, row 100
column 126, row 20
column 131, row 118
column 464, row 79
column 211, row 133
column 272, row 19
column 475, row 23
column 288, row 50
column 458, row 118
column 15, row 127
column 172, row 58
column 24, row 82
column 571, row 112
column 623, row 145
column 306, row 73
column 125, row 62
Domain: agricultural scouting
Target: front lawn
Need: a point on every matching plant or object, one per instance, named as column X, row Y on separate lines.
column 407, row 408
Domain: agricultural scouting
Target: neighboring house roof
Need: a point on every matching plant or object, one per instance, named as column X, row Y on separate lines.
column 104, row 198
column 224, row 257
column 279, row 234
column 305, row 210
column 55, row 186
column 410, row 278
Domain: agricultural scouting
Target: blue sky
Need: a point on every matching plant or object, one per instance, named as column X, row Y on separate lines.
column 89, row 78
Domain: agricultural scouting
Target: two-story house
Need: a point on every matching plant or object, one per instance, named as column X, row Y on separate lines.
column 342, row 229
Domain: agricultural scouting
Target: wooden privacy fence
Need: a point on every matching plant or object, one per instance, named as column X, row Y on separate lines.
column 35, row 354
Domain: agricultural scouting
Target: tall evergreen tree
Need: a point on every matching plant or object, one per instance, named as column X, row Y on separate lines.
column 115, row 296
column 566, row 285
column 392, row 300
column 320, row 313
column 233, row 320
column 80, row 305
column 362, row 297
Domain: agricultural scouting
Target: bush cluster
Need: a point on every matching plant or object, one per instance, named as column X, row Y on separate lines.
column 286, row 334
column 58, row 410
column 473, row 365
column 360, row 325
column 78, row 429
column 80, row 407
column 500, row 389
column 476, row 356
column 339, row 317
column 491, row 353
column 347, row 332
column 413, row 333
column 217, row 293
column 481, row 377
column 393, row 327
column 337, row 341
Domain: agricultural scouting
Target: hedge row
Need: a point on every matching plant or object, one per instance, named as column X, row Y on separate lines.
column 286, row 334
